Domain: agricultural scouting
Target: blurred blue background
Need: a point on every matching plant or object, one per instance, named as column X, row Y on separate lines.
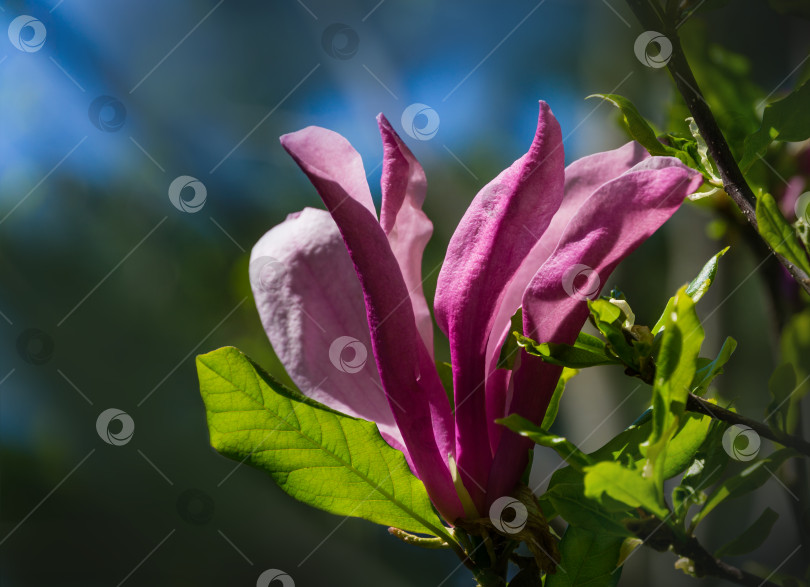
column 109, row 290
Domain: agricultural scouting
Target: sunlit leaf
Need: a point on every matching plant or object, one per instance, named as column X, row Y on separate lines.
column 317, row 455
column 624, row 485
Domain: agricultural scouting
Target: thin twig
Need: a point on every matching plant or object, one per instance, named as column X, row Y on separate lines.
column 701, row 406
column 734, row 181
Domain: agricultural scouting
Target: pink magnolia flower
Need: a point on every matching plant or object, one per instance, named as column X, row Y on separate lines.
column 351, row 281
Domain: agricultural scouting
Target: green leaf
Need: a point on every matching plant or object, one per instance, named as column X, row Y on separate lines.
column 701, row 284
column 786, row 120
column 675, row 370
column 554, row 403
column 779, row 235
column 587, row 559
column 624, row 485
column 317, row 455
column 696, row 288
column 708, row 370
column 685, row 444
column 569, row 501
column 565, row 355
column 780, row 385
column 752, row 478
column 569, row 453
column 751, row 538
column 638, row 127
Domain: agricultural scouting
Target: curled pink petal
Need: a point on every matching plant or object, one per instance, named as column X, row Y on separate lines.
column 498, row 230
column 405, row 224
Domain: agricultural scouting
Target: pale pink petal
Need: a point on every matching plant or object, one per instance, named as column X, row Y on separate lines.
column 408, row 228
column 408, row 374
column 618, row 217
column 496, row 233
column 308, row 296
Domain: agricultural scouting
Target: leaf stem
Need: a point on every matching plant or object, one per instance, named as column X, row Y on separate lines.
column 734, row 181
column 701, row 406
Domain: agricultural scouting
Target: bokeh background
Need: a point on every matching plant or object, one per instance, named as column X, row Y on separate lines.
column 109, row 290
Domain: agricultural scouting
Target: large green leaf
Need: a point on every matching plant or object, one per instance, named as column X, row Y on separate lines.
column 780, row 235
column 624, row 485
column 317, row 455
column 787, row 119
column 588, row 559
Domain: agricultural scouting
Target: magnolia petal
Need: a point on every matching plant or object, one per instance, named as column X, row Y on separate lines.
column 405, row 224
column 617, row 218
column 320, row 335
column 409, row 378
column 582, row 177
column 496, row 233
